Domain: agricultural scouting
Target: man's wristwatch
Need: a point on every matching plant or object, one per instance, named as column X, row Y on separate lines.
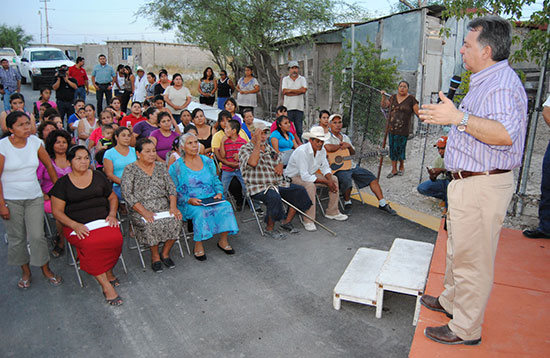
column 462, row 126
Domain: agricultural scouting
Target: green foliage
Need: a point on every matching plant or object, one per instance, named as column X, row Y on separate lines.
column 463, row 88
column 371, row 70
column 13, row 37
column 533, row 45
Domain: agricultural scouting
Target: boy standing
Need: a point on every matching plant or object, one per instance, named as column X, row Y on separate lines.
column 229, row 153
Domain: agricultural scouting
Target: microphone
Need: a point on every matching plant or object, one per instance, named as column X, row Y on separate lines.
column 453, row 86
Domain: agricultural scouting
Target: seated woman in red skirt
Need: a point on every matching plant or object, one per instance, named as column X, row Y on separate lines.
column 81, row 197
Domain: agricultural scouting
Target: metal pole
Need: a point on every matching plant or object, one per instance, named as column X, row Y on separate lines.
column 41, row 37
column 532, row 130
column 47, row 24
column 352, row 76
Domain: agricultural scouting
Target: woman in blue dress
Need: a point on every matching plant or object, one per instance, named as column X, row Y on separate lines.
column 195, row 178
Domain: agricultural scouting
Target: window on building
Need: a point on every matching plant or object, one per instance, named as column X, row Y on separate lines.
column 126, row 51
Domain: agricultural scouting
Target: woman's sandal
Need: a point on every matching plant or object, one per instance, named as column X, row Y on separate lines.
column 227, row 249
column 55, row 280
column 24, row 284
column 57, row 251
column 401, row 172
column 391, row 175
column 200, row 257
column 117, row 301
column 115, row 282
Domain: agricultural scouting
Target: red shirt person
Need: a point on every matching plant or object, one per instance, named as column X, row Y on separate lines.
column 134, row 117
column 79, row 74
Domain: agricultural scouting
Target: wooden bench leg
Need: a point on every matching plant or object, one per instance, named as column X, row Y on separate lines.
column 379, row 300
column 417, row 309
column 336, row 301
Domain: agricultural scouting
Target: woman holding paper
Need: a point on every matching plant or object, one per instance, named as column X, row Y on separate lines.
column 79, row 199
column 150, row 193
column 196, row 180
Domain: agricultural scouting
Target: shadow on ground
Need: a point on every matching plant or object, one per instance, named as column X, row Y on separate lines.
column 271, row 299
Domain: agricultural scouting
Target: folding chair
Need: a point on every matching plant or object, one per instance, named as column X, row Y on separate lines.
column 186, row 236
column 144, row 247
column 320, row 198
column 76, row 264
column 256, row 217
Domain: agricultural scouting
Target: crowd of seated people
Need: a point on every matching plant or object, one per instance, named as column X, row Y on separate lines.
column 84, row 170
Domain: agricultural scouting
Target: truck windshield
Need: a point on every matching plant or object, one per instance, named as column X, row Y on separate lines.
column 48, row 56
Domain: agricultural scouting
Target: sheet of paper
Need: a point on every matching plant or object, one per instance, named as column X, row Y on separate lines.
column 96, row 224
column 161, row 215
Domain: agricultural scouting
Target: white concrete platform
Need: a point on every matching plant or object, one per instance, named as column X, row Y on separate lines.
column 405, row 270
column 357, row 284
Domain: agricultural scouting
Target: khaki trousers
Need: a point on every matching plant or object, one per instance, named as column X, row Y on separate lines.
column 311, row 189
column 26, row 223
column 477, row 207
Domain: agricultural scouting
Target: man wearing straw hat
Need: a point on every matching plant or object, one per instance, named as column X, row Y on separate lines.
column 303, row 168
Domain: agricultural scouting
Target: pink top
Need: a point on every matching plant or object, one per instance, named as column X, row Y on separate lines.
column 44, row 178
column 292, row 128
column 38, row 103
column 95, row 136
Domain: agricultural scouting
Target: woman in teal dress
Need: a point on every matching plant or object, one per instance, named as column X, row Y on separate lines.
column 196, row 179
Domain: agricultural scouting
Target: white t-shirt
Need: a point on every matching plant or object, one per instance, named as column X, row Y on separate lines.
column 140, row 92
column 19, row 180
column 177, row 97
column 247, row 99
column 294, row 102
column 336, row 141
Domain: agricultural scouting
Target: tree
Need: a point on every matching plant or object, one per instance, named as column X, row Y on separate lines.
column 533, row 45
column 371, row 70
column 238, row 32
column 13, row 37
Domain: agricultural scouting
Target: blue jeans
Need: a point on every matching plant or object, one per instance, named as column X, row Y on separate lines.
column 435, row 189
column 116, row 189
column 80, row 92
column 7, row 95
column 297, row 117
column 294, row 194
column 544, row 205
column 226, row 180
column 221, row 102
column 361, row 176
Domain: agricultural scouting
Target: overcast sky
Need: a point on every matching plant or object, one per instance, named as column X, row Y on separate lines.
column 74, row 21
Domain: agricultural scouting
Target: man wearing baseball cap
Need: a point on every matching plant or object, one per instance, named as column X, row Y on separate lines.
column 294, row 88
column 303, row 167
column 437, row 188
column 262, row 171
column 140, row 84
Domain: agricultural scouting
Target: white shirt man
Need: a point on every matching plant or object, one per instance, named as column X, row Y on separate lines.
column 294, row 88
column 302, row 168
column 139, row 84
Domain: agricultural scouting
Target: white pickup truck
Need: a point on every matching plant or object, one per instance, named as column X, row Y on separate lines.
column 38, row 65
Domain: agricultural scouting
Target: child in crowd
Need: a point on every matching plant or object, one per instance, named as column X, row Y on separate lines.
column 43, row 108
column 229, row 155
column 45, row 95
column 58, row 121
column 248, row 122
column 282, row 111
column 72, row 122
column 231, row 107
column 104, row 143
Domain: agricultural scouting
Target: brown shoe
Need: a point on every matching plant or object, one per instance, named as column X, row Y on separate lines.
column 444, row 335
column 432, row 303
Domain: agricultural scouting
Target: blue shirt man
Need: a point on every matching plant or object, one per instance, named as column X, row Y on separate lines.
column 103, row 76
column 10, row 80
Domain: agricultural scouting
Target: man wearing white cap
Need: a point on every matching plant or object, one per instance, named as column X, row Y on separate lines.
column 294, row 88
column 140, row 84
column 303, row 167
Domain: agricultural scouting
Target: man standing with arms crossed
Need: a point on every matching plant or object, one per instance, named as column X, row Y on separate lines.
column 294, row 89
column 10, row 80
column 79, row 74
column 103, row 76
column 484, row 145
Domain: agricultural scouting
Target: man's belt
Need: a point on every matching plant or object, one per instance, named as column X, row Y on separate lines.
column 103, row 84
column 463, row 174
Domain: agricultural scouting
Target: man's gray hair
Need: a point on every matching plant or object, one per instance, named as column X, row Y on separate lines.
column 496, row 33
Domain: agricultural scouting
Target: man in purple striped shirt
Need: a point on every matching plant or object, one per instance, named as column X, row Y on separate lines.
column 485, row 143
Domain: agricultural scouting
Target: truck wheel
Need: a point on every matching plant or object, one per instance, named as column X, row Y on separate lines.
column 34, row 82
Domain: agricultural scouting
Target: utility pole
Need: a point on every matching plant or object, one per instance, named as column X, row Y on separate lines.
column 47, row 24
column 41, row 37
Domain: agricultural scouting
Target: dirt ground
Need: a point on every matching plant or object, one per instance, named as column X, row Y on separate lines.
column 402, row 189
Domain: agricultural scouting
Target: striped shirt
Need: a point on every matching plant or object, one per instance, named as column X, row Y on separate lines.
column 495, row 93
column 231, row 148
